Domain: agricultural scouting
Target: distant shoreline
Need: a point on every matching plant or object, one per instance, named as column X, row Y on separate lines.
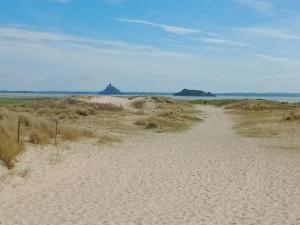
column 229, row 94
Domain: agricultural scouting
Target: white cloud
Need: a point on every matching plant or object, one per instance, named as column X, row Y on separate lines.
column 52, row 61
column 222, row 41
column 272, row 33
column 167, row 28
column 20, row 36
column 261, row 6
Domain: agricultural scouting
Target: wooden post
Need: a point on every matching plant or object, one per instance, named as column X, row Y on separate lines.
column 19, row 128
column 56, row 131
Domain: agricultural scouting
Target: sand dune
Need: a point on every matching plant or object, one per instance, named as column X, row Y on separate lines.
column 207, row 175
column 116, row 100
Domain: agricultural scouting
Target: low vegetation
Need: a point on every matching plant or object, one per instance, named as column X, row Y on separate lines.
column 214, row 102
column 169, row 115
column 67, row 108
column 262, row 118
column 139, row 104
column 106, row 139
column 16, row 101
column 38, row 121
column 33, row 129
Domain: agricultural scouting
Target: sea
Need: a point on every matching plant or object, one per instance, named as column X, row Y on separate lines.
column 291, row 98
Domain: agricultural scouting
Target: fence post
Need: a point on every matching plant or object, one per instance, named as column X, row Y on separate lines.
column 56, row 131
column 19, row 127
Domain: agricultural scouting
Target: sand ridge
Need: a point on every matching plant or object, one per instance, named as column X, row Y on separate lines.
column 122, row 101
column 207, row 175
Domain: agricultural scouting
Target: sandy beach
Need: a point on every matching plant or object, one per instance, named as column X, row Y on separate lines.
column 206, row 175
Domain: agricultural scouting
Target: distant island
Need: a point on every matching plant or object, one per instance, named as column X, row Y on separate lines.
column 196, row 93
column 110, row 90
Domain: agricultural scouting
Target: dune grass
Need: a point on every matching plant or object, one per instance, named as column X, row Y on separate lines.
column 38, row 117
column 34, row 129
column 260, row 118
column 265, row 119
column 214, row 102
column 69, row 108
column 170, row 115
column 139, row 104
column 107, row 139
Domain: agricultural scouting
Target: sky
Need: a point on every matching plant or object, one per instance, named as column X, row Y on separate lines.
column 150, row 45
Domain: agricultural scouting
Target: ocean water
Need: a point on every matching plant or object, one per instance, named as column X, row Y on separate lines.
column 273, row 98
column 54, row 95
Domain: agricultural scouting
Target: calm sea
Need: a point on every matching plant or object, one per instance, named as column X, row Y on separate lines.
column 37, row 95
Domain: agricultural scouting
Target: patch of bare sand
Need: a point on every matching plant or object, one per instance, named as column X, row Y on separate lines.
column 207, row 175
column 125, row 102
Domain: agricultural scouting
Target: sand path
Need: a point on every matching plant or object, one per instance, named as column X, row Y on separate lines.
column 207, row 175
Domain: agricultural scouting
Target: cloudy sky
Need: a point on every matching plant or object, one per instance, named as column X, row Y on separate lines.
column 150, row 45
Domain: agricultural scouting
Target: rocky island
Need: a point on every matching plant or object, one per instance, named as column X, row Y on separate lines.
column 110, row 90
column 195, row 93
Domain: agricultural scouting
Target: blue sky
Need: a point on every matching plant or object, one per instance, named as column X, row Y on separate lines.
column 151, row 45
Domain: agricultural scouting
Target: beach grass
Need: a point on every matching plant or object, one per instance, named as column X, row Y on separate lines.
column 260, row 118
column 139, row 104
column 34, row 129
column 107, row 139
column 169, row 115
column 214, row 102
column 265, row 119
column 78, row 118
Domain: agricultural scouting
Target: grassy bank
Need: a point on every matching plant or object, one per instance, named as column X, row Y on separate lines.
column 169, row 115
column 38, row 122
column 33, row 129
column 261, row 118
column 214, row 102
column 78, row 117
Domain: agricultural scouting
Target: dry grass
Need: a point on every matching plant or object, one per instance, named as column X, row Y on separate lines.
column 170, row 115
column 38, row 121
column 9, row 150
column 67, row 108
column 72, row 134
column 34, row 129
column 261, row 118
column 259, row 105
column 139, row 104
column 107, row 139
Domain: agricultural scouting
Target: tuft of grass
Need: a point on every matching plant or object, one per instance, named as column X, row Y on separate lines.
column 169, row 115
column 72, row 134
column 291, row 116
column 36, row 137
column 151, row 126
column 34, row 129
column 9, row 151
column 167, row 121
column 107, row 139
column 139, row 104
